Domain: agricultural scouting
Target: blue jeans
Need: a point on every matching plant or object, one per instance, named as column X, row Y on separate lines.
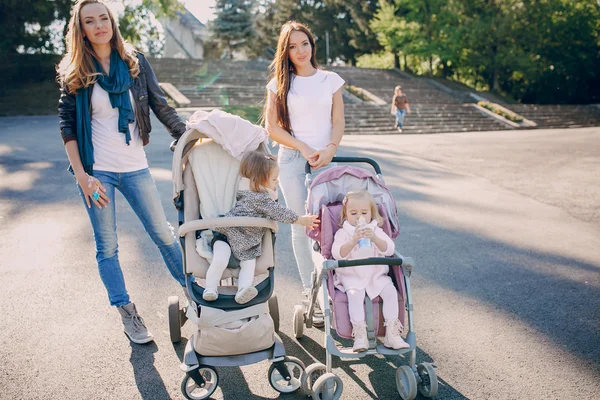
column 139, row 189
column 291, row 180
column 400, row 114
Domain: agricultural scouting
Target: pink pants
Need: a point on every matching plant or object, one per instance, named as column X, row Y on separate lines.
column 356, row 301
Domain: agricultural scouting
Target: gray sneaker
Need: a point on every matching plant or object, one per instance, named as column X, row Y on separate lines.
column 133, row 325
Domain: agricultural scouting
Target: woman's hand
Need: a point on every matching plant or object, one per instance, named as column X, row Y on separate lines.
column 307, row 152
column 309, row 221
column 322, row 158
column 93, row 190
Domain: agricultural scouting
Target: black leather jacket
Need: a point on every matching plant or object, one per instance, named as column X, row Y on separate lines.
column 146, row 94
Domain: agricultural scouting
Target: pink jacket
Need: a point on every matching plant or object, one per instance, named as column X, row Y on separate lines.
column 372, row 278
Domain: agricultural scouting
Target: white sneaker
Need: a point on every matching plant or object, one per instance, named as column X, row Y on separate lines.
column 359, row 333
column 210, row 294
column 399, row 130
column 393, row 338
column 246, row 294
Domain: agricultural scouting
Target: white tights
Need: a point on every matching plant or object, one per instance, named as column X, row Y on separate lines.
column 356, row 302
column 221, row 254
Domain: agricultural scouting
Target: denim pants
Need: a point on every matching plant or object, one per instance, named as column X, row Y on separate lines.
column 292, row 182
column 400, row 114
column 139, row 189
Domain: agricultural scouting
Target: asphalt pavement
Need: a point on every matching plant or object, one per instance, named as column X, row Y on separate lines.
column 504, row 228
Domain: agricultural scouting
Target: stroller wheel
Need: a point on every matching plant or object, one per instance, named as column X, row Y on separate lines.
column 192, row 391
column 298, row 321
column 274, row 311
column 174, row 319
column 429, row 383
column 295, row 368
column 328, row 387
column 406, row 382
column 311, row 374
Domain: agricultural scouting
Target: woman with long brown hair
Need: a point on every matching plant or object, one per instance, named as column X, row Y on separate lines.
column 304, row 113
column 107, row 90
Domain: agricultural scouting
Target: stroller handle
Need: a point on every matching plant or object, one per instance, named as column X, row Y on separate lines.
column 350, row 160
column 369, row 261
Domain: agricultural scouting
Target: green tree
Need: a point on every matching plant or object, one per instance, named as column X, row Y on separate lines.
column 233, row 27
column 347, row 26
column 31, row 25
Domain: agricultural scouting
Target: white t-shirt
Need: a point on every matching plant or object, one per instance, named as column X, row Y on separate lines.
column 309, row 101
column 111, row 153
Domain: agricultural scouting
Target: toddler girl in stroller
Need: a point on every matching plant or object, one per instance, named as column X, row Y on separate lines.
column 361, row 237
column 256, row 200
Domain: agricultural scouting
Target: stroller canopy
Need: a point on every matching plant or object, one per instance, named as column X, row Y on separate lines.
column 332, row 185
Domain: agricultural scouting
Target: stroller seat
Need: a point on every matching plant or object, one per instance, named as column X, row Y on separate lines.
column 211, row 181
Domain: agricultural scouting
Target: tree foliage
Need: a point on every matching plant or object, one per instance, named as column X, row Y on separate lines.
column 39, row 26
column 346, row 23
column 233, row 27
column 545, row 51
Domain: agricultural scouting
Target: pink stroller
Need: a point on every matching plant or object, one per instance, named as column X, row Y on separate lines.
column 325, row 195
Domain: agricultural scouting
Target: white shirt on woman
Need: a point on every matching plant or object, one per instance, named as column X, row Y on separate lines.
column 310, row 101
column 111, row 152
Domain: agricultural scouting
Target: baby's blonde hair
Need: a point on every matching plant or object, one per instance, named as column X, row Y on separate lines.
column 361, row 194
column 257, row 166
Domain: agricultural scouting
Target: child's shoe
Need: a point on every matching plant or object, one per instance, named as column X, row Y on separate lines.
column 246, row 294
column 210, row 294
column 393, row 338
column 361, row 341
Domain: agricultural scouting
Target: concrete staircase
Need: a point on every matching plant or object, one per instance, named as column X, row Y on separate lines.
column 217, row 83
column 433, row 111
column 560, row 115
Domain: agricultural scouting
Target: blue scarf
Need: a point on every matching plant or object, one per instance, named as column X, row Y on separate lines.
column 117, row 84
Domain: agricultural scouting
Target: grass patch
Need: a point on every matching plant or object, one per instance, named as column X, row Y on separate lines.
column 493, row 107
column 356, row 91
column 32, row 98
column 250, row 113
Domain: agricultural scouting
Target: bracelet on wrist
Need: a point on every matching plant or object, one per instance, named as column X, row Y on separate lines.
column 332, row 143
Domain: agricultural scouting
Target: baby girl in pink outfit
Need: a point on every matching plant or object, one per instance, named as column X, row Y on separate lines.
column 361, row 237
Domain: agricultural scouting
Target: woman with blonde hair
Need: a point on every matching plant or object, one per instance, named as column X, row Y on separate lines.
column 304, row 113
column 107, row 90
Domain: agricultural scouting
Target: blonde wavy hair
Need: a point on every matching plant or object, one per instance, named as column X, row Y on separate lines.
column 361, row 194
column 76, row 70
column 281, row 67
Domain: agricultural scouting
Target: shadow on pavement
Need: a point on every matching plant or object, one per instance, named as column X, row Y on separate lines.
column 382, row 378
column 147, row 378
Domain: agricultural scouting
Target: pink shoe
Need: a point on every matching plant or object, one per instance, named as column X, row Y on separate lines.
column 361, row 341
column 393, row 338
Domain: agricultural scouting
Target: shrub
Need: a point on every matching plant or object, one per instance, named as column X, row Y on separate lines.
column 511, row 116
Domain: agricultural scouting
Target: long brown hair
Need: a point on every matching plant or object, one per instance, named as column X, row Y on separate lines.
column 281, row 67
column 76, row 69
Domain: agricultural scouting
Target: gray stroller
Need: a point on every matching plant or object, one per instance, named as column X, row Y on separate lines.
column 226, row 333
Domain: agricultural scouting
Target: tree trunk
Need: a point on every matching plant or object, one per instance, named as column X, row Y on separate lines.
column 396, row 60
column 430, row 65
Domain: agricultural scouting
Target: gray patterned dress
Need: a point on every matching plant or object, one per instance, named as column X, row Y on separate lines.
column 246, row 242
